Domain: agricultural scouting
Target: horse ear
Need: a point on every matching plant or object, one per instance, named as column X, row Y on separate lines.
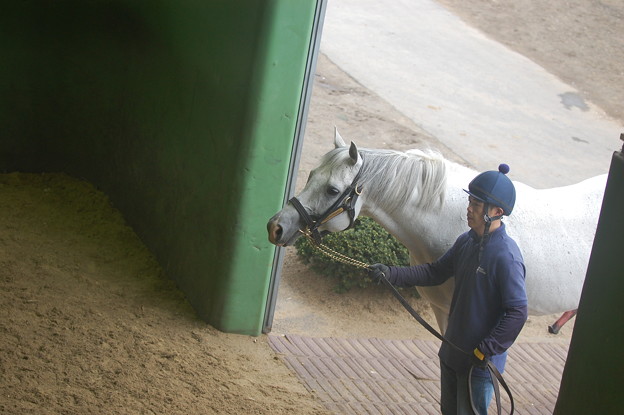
column 338, row 141
column 354, row 153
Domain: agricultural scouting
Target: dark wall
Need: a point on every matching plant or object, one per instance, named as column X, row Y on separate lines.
column 592, row 378
column 154, row 102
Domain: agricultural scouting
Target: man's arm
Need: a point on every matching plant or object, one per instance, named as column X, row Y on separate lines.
column 418, row 275
column 506, row 332
column 424, row 275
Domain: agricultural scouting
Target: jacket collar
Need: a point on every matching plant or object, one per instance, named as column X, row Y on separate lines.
column 496, row 233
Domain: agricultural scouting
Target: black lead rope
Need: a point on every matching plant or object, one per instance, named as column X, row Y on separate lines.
column 497, row 377
column 494, row 373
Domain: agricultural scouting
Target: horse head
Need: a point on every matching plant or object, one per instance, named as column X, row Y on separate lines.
column 329, row 201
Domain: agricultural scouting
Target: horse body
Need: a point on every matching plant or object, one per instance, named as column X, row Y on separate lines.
column 555, row 229
column 419, row 199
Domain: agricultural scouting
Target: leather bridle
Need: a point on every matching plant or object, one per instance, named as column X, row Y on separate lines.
column 345, row 203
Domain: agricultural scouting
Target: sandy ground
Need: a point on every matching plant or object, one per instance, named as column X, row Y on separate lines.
column 90, row 325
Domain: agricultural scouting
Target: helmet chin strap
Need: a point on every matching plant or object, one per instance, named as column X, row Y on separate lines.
column 486, row 232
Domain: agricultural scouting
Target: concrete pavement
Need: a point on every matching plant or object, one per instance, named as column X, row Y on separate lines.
column 484, row 101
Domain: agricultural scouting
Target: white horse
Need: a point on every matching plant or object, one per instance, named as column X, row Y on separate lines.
column 418, row 197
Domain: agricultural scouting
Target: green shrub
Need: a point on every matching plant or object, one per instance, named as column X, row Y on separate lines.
column 367, row 242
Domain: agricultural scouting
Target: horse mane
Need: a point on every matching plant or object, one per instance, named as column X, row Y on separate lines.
column 395, row 178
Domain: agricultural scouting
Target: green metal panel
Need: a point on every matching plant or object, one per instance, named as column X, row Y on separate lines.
column 280, row 83
column 293, row 167
column 183, row 112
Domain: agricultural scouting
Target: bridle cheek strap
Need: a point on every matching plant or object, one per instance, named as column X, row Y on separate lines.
column 345, row 203
column 310, row 223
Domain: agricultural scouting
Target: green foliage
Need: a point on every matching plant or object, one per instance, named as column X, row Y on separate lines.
column 366, row 241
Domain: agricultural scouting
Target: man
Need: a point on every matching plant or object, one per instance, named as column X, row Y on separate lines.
column 489, row 305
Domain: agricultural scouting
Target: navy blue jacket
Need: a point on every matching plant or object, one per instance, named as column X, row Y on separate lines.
column 489, row 305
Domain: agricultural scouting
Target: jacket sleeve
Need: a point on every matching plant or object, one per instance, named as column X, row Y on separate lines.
column 505, row 332
column 423, row 275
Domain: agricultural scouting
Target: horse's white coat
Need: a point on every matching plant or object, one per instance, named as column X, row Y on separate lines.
column 554, row 228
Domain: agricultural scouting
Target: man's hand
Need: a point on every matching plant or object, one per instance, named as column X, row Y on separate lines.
column 479, row 359
column 379, row 271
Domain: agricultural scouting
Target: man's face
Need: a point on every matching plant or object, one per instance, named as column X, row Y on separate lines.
column 475, row 213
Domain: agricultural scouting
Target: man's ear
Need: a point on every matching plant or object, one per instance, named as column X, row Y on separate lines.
column 497, row 211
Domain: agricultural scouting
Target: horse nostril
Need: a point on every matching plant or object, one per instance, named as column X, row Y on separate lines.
column 278, row 231
column 275, row 232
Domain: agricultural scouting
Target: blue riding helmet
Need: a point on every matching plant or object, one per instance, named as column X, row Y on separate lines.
column 495, row 188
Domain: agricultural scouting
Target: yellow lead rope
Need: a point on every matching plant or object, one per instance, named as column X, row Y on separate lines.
column 337, row 256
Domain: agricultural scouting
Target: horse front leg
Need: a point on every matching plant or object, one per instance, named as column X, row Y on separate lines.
column 556, row 326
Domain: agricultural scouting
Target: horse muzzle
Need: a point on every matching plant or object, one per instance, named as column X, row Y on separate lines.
column 275, row 231
column 281, row 231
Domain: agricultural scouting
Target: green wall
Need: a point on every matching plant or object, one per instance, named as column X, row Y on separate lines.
column 592, row 378
column 183, row 112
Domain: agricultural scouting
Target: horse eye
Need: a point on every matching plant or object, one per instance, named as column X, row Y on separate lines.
column 332, row 191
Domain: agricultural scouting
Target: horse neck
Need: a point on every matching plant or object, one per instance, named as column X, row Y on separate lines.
column 425, row 233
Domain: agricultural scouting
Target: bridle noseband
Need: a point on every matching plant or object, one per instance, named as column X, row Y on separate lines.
column 345, row 203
